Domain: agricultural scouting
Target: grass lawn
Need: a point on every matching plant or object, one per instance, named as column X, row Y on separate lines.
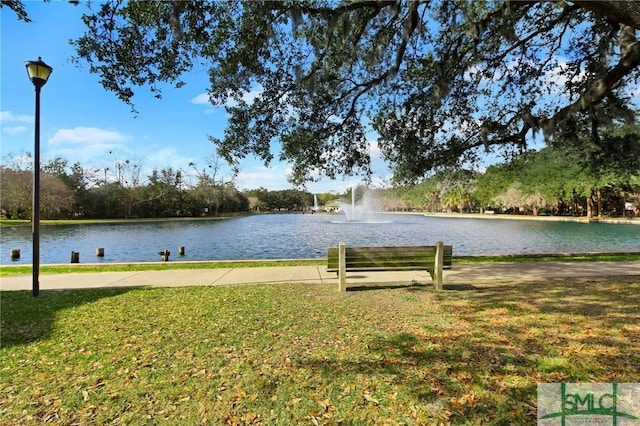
column 286, row 354
column 12, row 270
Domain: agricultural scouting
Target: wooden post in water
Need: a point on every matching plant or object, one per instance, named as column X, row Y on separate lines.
column 100, row 252
column 75, row 256
column 181, row 250
column 342, row 267
column 164, row 255
column 15, row 254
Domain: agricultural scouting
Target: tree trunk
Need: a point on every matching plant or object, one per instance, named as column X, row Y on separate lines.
column 600, row 203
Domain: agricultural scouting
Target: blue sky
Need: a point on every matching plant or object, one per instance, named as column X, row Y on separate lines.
column 81, row 122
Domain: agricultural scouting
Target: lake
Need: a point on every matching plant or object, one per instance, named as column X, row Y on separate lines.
column 294, row 236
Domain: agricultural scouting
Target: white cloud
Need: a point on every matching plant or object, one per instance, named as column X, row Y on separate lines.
column 9, row 117
column 201, row 99
column 88, row 135
column 557, row 78
column 162, row 158
column 92, row 156
column 15, row 129
column 249, row 97
column 269, row 178
column 374, row 149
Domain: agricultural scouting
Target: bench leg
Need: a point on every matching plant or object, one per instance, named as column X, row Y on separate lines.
column 342, row 267
column 437, row 270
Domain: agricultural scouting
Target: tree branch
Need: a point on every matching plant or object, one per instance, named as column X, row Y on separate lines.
column 599, row 89
column 522, row 42
column 625, row 12
column 345, row 8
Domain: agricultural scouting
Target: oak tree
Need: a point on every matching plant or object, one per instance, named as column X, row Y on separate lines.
column 440, row 81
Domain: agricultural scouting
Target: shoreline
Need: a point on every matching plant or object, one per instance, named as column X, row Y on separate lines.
column 6, row 223
column 9, row 269
column 117, row 221
column 580, row 219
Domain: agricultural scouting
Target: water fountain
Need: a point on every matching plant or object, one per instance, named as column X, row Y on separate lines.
column 358, row 212
column 315, row 207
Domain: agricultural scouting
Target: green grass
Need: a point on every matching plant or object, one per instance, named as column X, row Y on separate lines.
column 53, row 222
column 12, row 270
column 287, row 354
column 14, row 222
column 560, row 257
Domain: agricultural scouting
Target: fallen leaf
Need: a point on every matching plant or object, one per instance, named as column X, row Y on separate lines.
column 468, row 399
column 371, row 399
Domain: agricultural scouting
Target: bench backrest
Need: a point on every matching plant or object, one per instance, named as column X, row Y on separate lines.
column 388, row 258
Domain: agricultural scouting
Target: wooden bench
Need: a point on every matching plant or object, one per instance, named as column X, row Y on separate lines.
column 343, row 259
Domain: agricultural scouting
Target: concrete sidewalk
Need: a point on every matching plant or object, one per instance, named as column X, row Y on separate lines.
column 460, row 274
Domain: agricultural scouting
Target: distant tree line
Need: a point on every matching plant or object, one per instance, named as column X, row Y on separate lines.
column 263, row 200
column 73, row 191
column 595, row 179
column 120, row 191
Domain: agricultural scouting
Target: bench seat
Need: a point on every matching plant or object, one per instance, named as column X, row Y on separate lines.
column 391, row 258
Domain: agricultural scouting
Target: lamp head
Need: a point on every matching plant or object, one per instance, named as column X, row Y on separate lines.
column 38, row 72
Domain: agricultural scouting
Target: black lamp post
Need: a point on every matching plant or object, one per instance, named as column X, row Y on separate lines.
column 38, row 74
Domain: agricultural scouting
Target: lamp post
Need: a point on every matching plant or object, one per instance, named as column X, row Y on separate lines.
column 38, row 74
